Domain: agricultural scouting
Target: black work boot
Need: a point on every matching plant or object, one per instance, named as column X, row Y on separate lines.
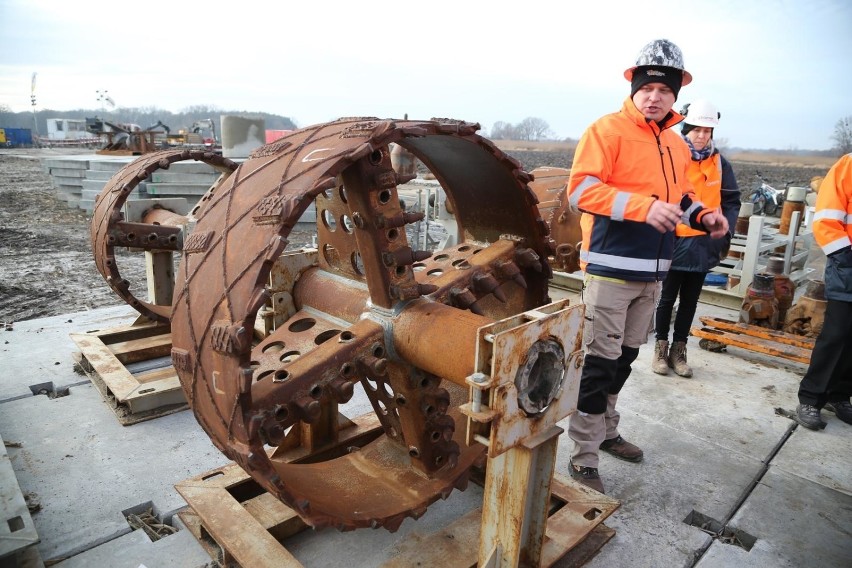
column 842, row 409
column 588, row 476
column 809, row 417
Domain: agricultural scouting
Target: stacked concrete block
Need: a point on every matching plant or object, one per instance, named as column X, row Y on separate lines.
column 68, row 174
column 82, row 178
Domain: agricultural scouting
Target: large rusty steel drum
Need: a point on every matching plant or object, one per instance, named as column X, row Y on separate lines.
column 369, row 310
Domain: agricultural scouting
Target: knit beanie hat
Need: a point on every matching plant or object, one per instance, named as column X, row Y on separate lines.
column 669, row 76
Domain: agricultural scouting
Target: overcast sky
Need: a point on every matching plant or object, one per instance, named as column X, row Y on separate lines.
column 780, row 71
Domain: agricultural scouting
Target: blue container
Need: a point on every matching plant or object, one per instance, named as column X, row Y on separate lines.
column 16, row 137
column 714, row 279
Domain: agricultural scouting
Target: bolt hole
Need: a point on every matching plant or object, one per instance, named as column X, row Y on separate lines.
column 316, row 391
column 435, row 436
column 376, row 157
column 384, row 196
column 393, row 234
column 400, row 400
column 281, row 413
column 289, row 356
column 346, row 336
column 378, row 351
column 273, row 347
column 413, row 452
column 281, row 376
column 325, row 336
column 328, row 220
column 303, row 324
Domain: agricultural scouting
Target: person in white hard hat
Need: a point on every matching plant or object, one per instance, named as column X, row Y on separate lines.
column 695, row 252
column 628, row 177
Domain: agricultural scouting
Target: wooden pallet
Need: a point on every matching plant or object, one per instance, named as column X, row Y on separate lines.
column 133, row 396
column 756, row 338
column 241, row 525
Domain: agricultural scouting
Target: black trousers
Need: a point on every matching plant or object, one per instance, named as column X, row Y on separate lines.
column 688, row 285
column 829, row 376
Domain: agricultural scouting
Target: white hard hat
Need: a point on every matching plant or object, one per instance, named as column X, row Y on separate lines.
column 701, row 113
column 660, row 52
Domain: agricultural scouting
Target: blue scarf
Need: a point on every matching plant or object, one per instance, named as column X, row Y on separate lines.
column 698, row 155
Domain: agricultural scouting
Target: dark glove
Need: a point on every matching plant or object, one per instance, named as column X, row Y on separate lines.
column 726, row 246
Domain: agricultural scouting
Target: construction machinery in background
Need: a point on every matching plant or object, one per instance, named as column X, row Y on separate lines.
column 124, row 139
column 127, row 139
column 201, row 134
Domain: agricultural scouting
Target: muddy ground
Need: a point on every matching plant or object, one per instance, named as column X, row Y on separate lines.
column 46, row 264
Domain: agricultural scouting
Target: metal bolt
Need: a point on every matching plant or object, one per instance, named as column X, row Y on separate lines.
column 476, row 404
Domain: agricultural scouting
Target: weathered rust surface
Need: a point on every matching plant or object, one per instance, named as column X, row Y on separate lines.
column 367, row 281
column 551, row 189
column 109, row 229
column 756, row 338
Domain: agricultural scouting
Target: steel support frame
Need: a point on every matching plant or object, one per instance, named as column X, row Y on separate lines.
column 522, row 449
column 515, row 503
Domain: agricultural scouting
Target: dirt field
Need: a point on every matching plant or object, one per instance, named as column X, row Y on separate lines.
column 46, row 264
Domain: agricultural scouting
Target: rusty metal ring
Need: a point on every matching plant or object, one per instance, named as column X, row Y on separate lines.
column 109, row 229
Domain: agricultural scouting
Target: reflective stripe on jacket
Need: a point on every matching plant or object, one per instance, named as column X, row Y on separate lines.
column 696, row 251
column 832, row 228
column 621, row 165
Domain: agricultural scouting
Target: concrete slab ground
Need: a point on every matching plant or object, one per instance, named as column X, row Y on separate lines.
column 714, row 451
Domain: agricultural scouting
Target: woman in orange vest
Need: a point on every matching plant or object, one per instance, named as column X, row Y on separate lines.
column 695, row 252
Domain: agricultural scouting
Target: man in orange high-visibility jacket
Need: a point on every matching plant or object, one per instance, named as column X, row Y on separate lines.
column 629, row 180
column 828, row 380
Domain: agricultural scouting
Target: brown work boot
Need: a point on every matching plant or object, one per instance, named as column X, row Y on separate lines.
column 622, row 449
column 660, row 363
column 588, row 476
column 677, row 359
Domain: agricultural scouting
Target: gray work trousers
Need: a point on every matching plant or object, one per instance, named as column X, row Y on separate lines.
column 618, row 314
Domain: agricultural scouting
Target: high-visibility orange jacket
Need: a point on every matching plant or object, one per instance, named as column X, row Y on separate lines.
column 715, row 186
column 832, row 228
column 621, row 165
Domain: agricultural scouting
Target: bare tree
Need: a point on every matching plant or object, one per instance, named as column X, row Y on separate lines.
column 504, row 131
column 532, row 128
column 843, row 136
